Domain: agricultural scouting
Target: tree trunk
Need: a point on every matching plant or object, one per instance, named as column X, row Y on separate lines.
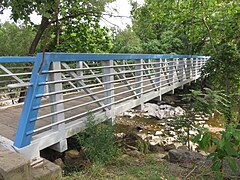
column 42, row 27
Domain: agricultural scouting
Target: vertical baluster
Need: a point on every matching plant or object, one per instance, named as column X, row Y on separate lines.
column 170, row 73
column 139, row 82
column 79, row 64
column 108, row 88
column 188, row 70
column 158, row 77
column 180, row 69
column 62, row 145
column 195, row 60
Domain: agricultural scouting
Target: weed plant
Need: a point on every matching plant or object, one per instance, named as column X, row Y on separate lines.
column 98, row 142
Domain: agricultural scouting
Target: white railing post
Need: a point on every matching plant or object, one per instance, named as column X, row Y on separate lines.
column 62, row 144
column 201, row 65
column 123, row 68
column 139, row 82
column 158, row 77
column 188, row 70
column 171, row 73
column 79, row 64
column 108, row 88
column 195, row 60
column 182, row 67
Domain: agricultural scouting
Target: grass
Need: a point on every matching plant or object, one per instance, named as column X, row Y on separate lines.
column 128, row 167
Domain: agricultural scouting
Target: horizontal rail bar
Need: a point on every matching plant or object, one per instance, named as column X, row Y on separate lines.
column 16, row 59
column 56, row 57
column 19, row 85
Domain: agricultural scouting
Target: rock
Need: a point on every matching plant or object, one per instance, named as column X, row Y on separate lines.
column 193, row 132
column 169, row 147
column 156, row 148
column 170, row 120
column 120, row 135
column 134, row 141
column 171, row 113
column 179, row 111
column 153, row 143
column 172, row 133
column 206, row 125
column 158, row 133
column 72, row 154
column 140, row 128
column 153, row 110
column 129, row 114
column 183, row 147
column 74, row 158
column 134, row 153
column 59, row 162
column 169, row 140
column 193, row 146
column 162, row 111
column 169, row 99
column 185, row 156
column 162, row 124
column 155, row 140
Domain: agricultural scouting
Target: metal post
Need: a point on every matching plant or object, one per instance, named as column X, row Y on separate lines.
column 171, row 73
column 62, row 144
column 123, row 68
column 109, row 88
column 139, row 84
column 180, row 69
column 188, row 69
column 194, row 61
column 158, row 77
column 79, row 64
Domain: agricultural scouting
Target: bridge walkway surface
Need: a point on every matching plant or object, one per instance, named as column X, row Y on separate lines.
column 59, row 91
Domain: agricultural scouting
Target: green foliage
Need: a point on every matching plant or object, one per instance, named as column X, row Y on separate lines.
column 99, row 142
column 227, row 146
column 142, row 146
column 82, row 32
column 209, row 27
column 76, row 22
column 222, row 69
column 210, row 101
column 15, row 40
column 187, row 124
column 165, row 44
column 126, row 41
column 79, row 36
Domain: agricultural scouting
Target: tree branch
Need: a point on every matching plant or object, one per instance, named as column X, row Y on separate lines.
column 209, row 33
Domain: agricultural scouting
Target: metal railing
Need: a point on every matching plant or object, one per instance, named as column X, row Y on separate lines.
column 65, row 87
column 14, row 70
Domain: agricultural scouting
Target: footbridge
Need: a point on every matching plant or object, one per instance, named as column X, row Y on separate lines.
column 46, row 99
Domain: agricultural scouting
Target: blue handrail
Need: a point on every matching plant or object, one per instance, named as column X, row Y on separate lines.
column 16, row 59
column 95, row 57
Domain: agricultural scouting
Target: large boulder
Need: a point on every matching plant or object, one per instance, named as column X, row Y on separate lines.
column 153, row 110
column 185, row 156
column 162, row 111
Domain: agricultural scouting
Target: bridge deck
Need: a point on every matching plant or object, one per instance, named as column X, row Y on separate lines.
column 9, row 117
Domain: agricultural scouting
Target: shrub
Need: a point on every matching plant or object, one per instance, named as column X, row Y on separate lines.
column 99, row 142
